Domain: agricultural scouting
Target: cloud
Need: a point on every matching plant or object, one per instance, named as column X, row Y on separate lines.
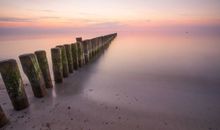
column 47, row 10
column 42, row 10
column 89, row 14
column 106, row 24
column 49, row 17
column 79, row 19
column 14, row 19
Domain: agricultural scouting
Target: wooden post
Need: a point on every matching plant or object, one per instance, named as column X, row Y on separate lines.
column 99, row 44
column 90, row 49
column 93, row 47
column 43, row 63
column 57, row 64
column 64, row 61
column 79, row 39
column 32, row 70
column 80, row 53
column 86, row 50
column 3, row 119
column 69, row 57
column 14, row 84
column 96, row 46
column 79, row 42
column 75, row 56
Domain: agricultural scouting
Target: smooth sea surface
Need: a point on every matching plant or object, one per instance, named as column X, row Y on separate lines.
column 173, row 76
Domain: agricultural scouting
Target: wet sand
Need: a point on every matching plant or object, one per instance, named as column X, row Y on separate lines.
column 105, row 96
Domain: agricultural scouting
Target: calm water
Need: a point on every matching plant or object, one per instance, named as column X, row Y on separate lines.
column 168, row 75
column 190, row 58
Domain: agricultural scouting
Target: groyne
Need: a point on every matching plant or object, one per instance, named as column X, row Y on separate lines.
column 66, row 59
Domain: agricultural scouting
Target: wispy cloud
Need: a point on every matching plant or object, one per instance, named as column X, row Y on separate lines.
column 47, row 10
column 14, row 19
column 107, row 24
column 88, row 14
column 79, row 19
column 18, row 20
column 42, row 10
column 49, row 17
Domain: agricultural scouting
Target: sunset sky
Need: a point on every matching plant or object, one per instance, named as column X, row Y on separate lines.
column 111, row 14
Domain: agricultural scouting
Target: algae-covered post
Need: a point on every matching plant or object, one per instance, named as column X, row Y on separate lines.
column 90, row 49
column 79, row 39
column 75, row 55
column 102, row 43
column 3, row 119
column 86, row 50
column 69, row 57
column 93, row 47
column 99, row 44
column 96, row 46
column 64, row 61
column 32, row 70
column 80, row 51
column 57, row 64
column 14, row 84
column 43, row 63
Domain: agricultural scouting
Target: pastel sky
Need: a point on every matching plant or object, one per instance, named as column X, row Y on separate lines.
column 111, row 14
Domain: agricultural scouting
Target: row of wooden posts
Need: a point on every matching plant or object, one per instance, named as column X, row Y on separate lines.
column 65, row 59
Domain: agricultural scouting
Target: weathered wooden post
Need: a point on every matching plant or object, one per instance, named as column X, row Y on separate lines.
column 86, row 50
column 90, row 49
column 57, row 64
column 32, row 70
column 69, row 57
column 43, row 63
column 79, row 39
column 3, row 119
column 106, row 40
column 64, row 61
column 75, row 56
column 93, row 47
column 97, row 46
column 14, row 84
column 102, row 43
column 80, row 51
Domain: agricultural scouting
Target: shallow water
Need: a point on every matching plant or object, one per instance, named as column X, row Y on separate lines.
column 168, row 77
column 177, row 75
